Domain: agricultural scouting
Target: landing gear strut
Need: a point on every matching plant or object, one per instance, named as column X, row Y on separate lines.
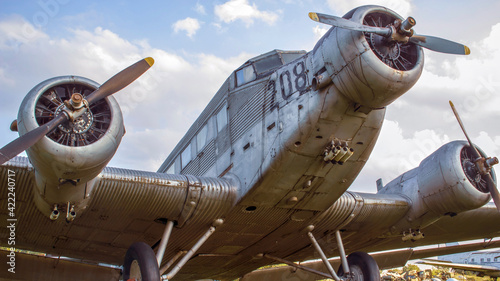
column 141, row 263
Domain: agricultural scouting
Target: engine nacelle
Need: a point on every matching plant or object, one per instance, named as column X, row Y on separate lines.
column 372, row 74
column 445, row 183
column 68, row 159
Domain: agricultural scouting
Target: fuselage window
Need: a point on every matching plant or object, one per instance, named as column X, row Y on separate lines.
column 245, row 75
column 186, row 156
column 171, row 169
column 221, row 119
column 201, row 138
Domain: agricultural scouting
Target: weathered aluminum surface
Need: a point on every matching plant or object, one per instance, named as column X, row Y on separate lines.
column 115, row 220
column 265, row 172
column 125, row 208
column 438, row 187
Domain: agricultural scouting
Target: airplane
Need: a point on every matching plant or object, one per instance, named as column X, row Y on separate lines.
column 260, row 178
column 481, row 270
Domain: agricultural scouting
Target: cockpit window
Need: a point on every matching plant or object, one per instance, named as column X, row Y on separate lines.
column 291, row 56
column 267, row 63
column 245, row 75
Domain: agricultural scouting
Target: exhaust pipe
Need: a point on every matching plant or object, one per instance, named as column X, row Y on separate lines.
column 54, row 215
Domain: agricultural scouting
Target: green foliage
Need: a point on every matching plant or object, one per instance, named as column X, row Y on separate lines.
column 410, row 267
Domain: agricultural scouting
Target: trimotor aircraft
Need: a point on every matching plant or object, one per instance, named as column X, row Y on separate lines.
column 261, row 177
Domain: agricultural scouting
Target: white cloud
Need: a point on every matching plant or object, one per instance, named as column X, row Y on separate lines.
column 200, row 9
column 189, row 25
column 319, row 31
column 158, row 107
column 402, row 7
column 395, row 154
column 17, row 31
column 242, row 10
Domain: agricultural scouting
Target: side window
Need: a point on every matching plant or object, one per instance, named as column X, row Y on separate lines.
column 186, row 156
column 245, row 75
column 221, row 119
column 201, row 138
column 171, row 169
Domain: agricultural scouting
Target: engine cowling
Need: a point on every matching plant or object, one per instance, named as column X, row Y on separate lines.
column 445, row 183
column 375, row 72
column 68, row 159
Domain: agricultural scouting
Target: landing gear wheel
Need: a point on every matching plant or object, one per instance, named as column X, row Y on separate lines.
column 140, row 263
column 362, row 266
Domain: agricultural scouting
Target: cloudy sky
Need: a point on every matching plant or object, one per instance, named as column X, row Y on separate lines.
column 197, row 44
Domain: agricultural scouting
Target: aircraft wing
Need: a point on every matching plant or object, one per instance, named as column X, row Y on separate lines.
column 482, row 222
column 127, row 206
column 385, row 260
column 491, row 271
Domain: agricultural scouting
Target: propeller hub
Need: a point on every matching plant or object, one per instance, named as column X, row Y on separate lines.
column 408, row 24
column 472, row 170
column 77, row 101
column 78, row 124
column 490, row 162
column 390, row 49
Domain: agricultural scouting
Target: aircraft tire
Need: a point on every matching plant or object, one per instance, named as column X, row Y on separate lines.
column 363, row 266
column 140, row 261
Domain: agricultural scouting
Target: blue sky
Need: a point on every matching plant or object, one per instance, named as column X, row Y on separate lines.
column 197, row 44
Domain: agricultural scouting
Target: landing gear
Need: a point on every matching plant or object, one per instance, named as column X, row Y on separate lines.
column 362, row 267
column 358, row 266
column 140, row 263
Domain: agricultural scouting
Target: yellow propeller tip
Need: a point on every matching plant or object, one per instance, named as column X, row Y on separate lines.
column 150, row 61
column 451, row 103
column 313, row 16
column 467, row 50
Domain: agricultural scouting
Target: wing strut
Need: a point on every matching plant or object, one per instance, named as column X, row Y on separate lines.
column 298, row 266
column 326, row 262
column 164, row 241
column 193, row 250
column 322, row 254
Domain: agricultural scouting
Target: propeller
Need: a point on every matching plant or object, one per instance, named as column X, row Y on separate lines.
column 483, row 164
column 75, row 107
column 400, row 32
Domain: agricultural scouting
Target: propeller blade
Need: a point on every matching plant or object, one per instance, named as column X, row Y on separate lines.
column 440, row 45
column 30, row 138
column 474, row 150
column 493, row 191
column 113, row 85
column 121, row 80
column 492, row 187
column 347, row 24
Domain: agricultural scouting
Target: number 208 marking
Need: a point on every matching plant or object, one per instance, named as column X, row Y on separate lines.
column 300, row 80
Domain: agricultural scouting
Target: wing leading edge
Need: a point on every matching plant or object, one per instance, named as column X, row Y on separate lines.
column 127, row 206
column 491, row 271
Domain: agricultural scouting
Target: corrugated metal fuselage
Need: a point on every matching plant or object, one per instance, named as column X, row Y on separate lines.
column 279, row 125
